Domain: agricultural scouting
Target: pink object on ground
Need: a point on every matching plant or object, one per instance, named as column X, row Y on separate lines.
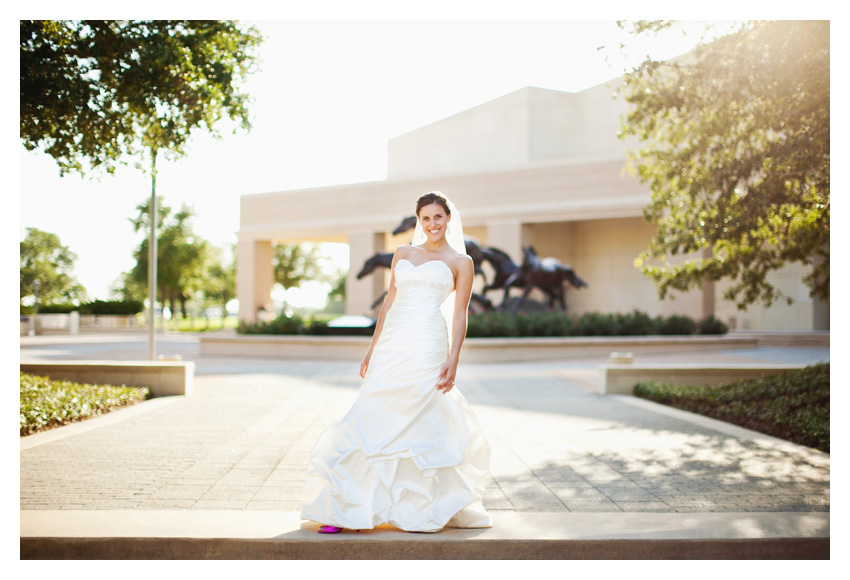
column 329, row 529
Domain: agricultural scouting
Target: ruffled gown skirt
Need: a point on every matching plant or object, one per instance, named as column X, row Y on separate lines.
column 405, row 454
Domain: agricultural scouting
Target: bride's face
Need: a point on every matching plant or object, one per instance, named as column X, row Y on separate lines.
column 434, row 221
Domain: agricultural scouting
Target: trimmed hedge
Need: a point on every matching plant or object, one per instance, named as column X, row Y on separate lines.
column 498, row 324
column 791, row 405
column 53, row 308
column 122, row 307
column 286, row 325
column 127, row 307
column 47, row 403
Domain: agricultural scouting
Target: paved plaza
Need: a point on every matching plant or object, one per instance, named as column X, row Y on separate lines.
column 240, row 444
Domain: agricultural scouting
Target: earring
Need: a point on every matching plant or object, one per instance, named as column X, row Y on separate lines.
column 449, row 230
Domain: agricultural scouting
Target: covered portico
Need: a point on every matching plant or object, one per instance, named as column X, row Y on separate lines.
column 534, row 167
column 586, row 215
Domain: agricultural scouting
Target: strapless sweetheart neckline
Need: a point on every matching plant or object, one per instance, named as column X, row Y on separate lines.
column 423, row 263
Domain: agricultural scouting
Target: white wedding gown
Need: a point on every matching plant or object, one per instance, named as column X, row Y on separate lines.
column 406, row 454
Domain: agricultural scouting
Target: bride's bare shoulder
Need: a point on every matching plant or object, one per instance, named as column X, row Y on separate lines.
column 462, row 261
column 403, row 251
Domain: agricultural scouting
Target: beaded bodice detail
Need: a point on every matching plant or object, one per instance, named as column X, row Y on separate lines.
column 429, row 282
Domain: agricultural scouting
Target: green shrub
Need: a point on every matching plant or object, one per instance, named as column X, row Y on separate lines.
column 496, row 324
column 675, row 324
column 120, row 307
column 596, row 324
column 56, row 308
column 317, row 326
column 634, row 324
column 47, row 403
column 294, row 324
column 711, row 325
column 536, row 324
column 280, row 325
column 125, row 307
column 492, row 325
column 791, row 405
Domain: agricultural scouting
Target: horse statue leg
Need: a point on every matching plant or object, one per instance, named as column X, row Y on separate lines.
column 507, row 286
column 529, row 287
column 377, row 302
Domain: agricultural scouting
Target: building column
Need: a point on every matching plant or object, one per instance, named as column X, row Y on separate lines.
column 254, row 278
column 361, row 294
column 510, row 236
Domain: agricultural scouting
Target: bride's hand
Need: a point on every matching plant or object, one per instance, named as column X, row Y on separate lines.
column 364, row 366
column 447, row 377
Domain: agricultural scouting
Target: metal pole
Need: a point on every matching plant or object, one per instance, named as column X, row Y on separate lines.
column 34, row 330
column 152, row 254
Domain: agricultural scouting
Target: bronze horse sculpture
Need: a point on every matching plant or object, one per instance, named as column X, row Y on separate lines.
column 548, row 274
column 381, row 260
column 507, row 275
column 406, row 224
column 504, row 268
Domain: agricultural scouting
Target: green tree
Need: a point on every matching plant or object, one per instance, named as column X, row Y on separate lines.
column 219, row 284
column 107, row 91
column 735, row 146
column 337, row 293
column 297, row 263
column 44, row 259
column 181, row 255
column 124, row 287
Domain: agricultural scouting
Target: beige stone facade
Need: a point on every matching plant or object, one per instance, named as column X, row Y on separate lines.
column 537, row 167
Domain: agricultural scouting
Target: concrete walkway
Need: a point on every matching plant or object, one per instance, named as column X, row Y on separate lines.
column 573, row 474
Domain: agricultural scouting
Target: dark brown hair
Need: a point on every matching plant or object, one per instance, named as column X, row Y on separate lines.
column 432, row 197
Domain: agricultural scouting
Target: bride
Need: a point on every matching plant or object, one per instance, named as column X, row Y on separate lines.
column 409, row 452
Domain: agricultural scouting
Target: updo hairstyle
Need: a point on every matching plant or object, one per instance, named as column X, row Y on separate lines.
column 432, row 197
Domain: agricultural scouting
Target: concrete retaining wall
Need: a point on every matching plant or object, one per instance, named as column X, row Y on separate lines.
column 162, row 377
column 475, row 350
column 75, row 323
column 620, row 379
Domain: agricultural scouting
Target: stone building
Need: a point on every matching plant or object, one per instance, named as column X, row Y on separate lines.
column 534, row 167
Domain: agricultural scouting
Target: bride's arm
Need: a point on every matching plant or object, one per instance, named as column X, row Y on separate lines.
column 463, row 293
column 379, row 325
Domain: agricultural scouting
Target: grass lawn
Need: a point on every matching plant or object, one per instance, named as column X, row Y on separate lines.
column 201, row 324
column 791, row 405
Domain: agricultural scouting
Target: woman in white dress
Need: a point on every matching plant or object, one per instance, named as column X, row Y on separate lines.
column 409, row 452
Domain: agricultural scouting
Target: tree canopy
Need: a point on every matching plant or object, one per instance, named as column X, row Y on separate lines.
column 735, row 146
column 46, row 260
column 219, row 285
column 297, row 263
column 182, row 256
column 102, row 90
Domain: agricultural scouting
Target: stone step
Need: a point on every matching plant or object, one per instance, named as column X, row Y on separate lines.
column 235, row 535
column 341, row 549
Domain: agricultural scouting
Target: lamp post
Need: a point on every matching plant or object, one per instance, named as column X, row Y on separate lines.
column 34, row 330
column 152, row 255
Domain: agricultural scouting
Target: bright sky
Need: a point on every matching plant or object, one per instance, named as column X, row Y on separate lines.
column 329, row 96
